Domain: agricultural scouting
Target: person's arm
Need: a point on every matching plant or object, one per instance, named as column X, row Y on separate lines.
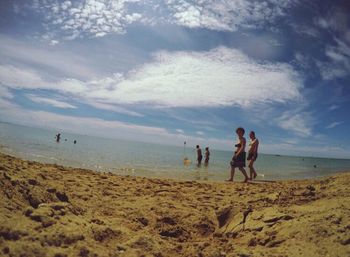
column 256, row 144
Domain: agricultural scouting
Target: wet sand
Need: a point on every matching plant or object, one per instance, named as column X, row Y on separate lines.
column 50, row 210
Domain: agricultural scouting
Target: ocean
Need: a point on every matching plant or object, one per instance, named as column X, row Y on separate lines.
column 151, row 160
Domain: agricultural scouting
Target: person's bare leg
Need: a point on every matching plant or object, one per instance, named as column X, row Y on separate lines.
column 253, row 169
column 250, row 170
column 255, row 174
column 244, row 173
column 232, row 174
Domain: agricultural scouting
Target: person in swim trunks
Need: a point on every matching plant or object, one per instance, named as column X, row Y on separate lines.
column 252, row 154
column 238, row 159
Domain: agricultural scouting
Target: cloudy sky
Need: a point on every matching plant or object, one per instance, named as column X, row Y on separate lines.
column 174, row 70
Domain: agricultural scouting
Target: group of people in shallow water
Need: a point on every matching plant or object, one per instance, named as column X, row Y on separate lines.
column 200, row 156
column 239, row 156
column 58, row 138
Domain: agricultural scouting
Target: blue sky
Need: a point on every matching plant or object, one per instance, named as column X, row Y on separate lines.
column 175, row 70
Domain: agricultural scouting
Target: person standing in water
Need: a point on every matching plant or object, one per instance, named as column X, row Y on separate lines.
column 58, row 137
column 199, row 156
column 207, row 154
column 252, row 154
column 238, row 159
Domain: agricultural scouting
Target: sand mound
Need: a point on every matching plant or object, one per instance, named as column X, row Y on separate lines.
column 50, row 210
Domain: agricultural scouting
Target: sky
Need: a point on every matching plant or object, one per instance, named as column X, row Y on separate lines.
column 175, row 70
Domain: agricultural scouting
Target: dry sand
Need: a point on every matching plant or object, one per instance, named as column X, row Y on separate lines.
column 50, row 210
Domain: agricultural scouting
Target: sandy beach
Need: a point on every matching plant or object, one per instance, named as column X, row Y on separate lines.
column 50, row 210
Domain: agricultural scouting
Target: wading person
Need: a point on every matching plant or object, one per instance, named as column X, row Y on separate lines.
column 199, row 156
column 238, row 159
column 58, row 137
column 252, row 154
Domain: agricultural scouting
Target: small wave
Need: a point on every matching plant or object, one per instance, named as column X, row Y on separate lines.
column 38, row 155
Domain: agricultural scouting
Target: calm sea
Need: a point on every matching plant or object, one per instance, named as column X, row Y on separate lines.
column 150, row 160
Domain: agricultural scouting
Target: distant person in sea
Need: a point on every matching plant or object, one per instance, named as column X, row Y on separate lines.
column 199, row 156
column 75, row 141
column 238, row 159
column 252, row 154
column 58, row 137
column 207, row 154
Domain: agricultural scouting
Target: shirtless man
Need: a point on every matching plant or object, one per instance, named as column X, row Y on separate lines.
column 252, row 154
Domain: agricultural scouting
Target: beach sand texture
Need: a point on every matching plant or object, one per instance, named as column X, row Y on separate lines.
column 50, row 210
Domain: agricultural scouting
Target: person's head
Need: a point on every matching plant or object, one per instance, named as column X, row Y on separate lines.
column 240, row 131
column 252, row 134
column 197, row 146
column 207, row 148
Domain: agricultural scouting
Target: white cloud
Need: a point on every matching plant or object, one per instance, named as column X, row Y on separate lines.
column 335, row 20
column 91, row 17
column 220, row 77
column 300, row 123
column 180, row 131
column 54, row 42
column 303, row 61
column 111, row 107
column 50, row 101
column 333, row 107
column 66, row 63
column 225, row 15
column 98, row 18
column 333, row 124
column 100, row 127
column 339, row 56
column 338, row 53
column 330, row 71
column 302, row 149
column 82, row 125
column 5, row 104
column 20, row 78
column 5, row 92
column 306, row 30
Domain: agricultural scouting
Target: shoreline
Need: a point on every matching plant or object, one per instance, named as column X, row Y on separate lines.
column 52, row 210
column 122, row 171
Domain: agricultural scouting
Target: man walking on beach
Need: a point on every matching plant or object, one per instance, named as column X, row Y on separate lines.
column 199, row 156
column 252, row 154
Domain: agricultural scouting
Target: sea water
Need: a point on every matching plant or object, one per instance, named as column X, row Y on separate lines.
column 150, row 160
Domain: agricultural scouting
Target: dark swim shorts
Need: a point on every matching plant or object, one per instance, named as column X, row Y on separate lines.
column 239, row 161
column 252, row 156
